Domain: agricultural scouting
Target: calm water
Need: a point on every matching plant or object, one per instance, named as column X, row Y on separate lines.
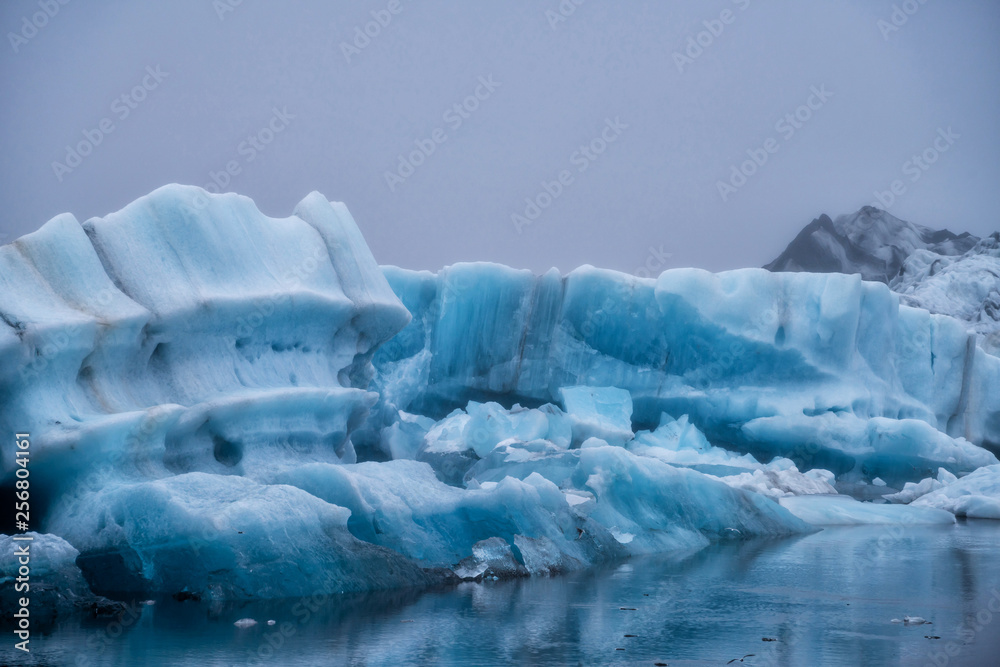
column 827, row 599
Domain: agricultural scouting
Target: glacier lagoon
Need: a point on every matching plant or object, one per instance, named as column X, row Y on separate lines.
column 827, row 598
column 227, row 408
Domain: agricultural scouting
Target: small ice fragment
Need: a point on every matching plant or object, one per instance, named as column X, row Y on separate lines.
column 271, row 622
column 878, row 481
column 245, row 623
column 621, row 536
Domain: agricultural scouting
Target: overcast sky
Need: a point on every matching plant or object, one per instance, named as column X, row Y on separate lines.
column 292, row 96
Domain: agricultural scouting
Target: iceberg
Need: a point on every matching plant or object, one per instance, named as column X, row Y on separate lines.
column 739, row 351
column 230, row 406
column 55, row 585
column 845, row 511
column 977, row 495
column 166, row 337
column 223, row 537
column 913, row 490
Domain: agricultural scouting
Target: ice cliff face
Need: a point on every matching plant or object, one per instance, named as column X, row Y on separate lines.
column 196, row 319
column 870, row 242
column 235, row 406
column 825, row 369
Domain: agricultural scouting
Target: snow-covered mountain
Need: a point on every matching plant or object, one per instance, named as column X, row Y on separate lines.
column 939, row 271
column 870, row 242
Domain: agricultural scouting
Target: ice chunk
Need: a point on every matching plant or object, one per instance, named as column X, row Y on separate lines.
column 565, row 508
column 977, row 495
column 599, row 412
column 542, row 556
column 56, row 585
column 913, row 490
column 402, row 505
column 676, row 507
column 493, row 559
column 911, row 620
column 404, row 438
column 681, row 443
column 452, row 445
column 223, row 537
column 892, row 449
column 845, row 511
column 775, row 483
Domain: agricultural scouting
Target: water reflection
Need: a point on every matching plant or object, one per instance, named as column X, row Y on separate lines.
column 825, row 599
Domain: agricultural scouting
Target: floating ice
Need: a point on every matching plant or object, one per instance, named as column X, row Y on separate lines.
column 911, row 620
column 977, row 495
column 554, row 509
column 845, row 511
column 55, row 584
column 778, row 483
column 817, row 368
column 233, row 406
column 913, row 490
column 222, row 537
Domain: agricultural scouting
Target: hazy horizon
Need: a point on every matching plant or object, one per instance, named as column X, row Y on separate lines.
column 499, row 103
